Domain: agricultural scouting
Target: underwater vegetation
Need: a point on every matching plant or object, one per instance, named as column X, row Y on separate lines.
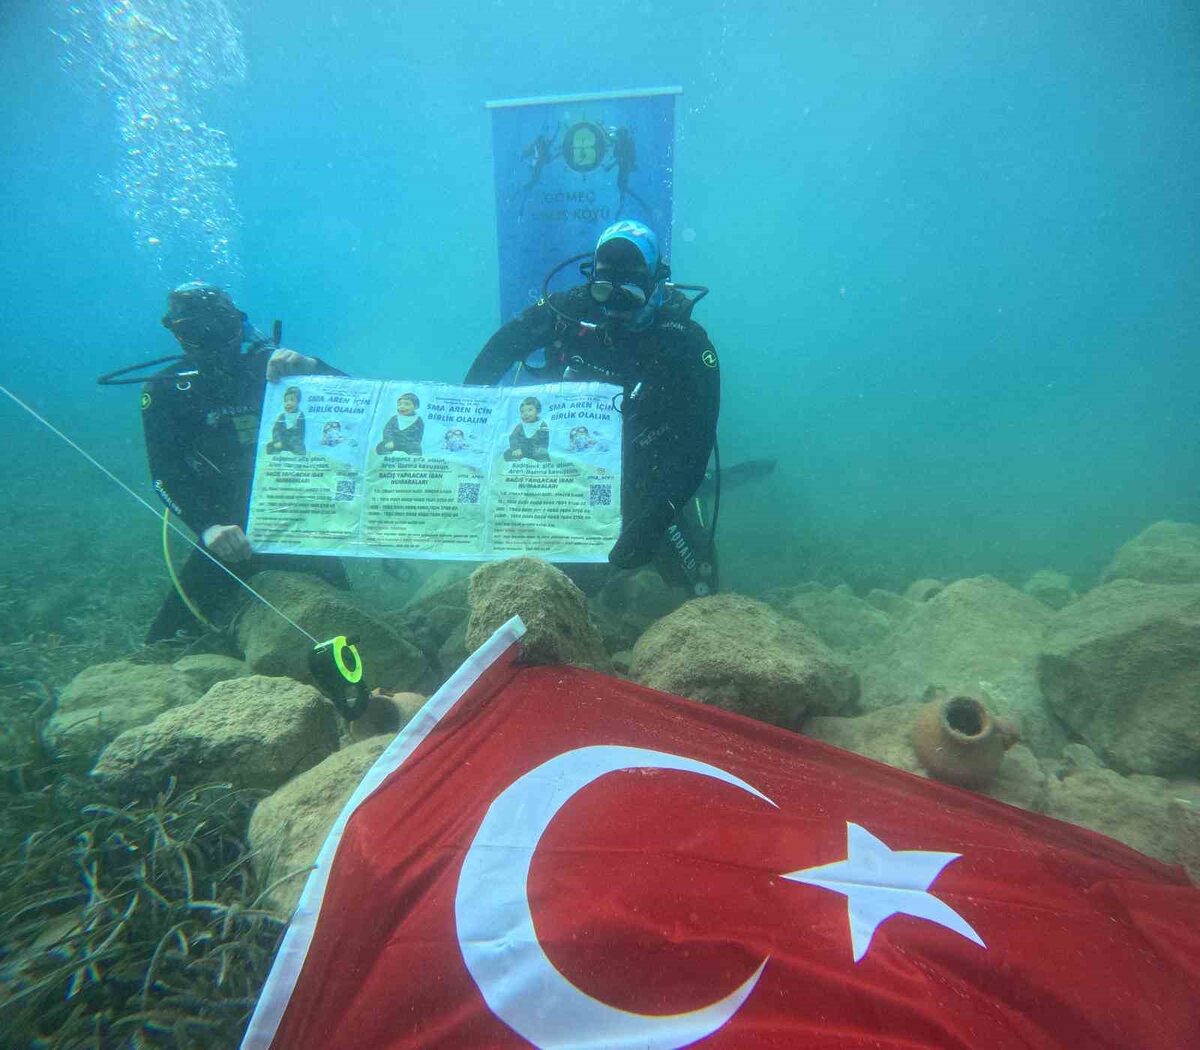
column 69, row 599
column 126, row 925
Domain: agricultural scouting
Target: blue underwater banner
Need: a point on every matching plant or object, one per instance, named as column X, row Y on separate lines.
column 567, row 167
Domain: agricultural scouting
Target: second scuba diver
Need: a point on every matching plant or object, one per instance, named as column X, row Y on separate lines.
column 629, row 327
column 200, row 416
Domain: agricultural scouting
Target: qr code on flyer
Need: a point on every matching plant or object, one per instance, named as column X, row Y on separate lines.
column 345, row 490
column 468, row 492
column 600, row 496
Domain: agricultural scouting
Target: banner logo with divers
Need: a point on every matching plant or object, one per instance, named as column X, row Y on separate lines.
column 583, row 147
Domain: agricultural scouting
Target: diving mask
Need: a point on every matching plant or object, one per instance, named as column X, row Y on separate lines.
column 202, row 316
column 618, row 293
column 202, row 333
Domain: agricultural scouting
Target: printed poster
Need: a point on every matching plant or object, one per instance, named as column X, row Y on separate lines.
column 368, row 468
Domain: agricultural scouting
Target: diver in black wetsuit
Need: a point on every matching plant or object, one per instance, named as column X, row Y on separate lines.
column 625, row 161
column 627, row 327
column 201, row 418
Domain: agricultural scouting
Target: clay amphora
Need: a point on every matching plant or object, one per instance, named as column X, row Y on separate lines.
column 958, row 740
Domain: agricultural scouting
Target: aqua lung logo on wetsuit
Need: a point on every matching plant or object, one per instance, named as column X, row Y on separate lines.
column 699, row 573
column 214, row 416
column 648, row 437
column 709, row 357
column 166, row 497
column 578, row 364
column 245, row 421
column 682, row 548
column 246, row 427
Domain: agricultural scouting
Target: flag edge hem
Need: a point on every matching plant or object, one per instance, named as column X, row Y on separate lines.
column 293, row 950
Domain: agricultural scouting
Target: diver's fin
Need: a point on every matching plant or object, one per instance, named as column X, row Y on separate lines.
column 740, row 474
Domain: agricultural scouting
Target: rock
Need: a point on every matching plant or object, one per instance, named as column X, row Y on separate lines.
column 104, row 700
column 441, row 586
column 841, row 620
column 439, row 607
column 204, row 670
column 741, row 655
column 1050, row 588
column 1121, row 666
column 1185, row 821
column 630, row 602
column 453, row 651
column 250, row 732
column 1021, row 780
column 886, row 736
column 1075, row 757
column 895, row 605
column 386, row 713
column 977, row 636
column 288, row 828
column 273, row 647
column 1133, row 810
column 1166, row 552
column 778, row 597
column 923, row 590
column 622, row 659
column 552, row 608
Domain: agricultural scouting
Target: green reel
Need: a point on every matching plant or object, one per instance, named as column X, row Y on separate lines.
column 337, row 668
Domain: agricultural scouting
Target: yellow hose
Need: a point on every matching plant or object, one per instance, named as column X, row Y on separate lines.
column 166, row 549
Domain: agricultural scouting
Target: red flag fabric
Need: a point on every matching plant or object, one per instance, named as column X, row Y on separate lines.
column 553, row 857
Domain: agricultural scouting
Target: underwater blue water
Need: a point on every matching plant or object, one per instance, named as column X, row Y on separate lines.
column 952, row 246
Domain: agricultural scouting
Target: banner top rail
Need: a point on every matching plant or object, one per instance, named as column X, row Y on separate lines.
column 595, row 96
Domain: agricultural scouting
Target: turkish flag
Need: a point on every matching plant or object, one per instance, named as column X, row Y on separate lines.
column 549, row 856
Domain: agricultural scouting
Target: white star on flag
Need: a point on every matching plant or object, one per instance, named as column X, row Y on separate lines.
column 879, row 882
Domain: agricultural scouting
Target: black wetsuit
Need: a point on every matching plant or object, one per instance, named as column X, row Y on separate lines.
column 201, row 433
column 672, row 384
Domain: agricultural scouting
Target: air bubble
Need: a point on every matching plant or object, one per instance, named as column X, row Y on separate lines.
column 156, row 61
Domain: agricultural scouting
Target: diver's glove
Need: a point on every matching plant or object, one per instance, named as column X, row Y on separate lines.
column 640, row 538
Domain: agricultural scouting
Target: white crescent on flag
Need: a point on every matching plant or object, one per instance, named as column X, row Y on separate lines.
column 495, row 926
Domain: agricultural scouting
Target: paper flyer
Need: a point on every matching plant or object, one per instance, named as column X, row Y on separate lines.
column 392, row 468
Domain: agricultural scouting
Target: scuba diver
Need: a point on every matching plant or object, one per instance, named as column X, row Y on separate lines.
column 624, row 159
column 628, row 325
column 200, row 416
column 538, row 155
